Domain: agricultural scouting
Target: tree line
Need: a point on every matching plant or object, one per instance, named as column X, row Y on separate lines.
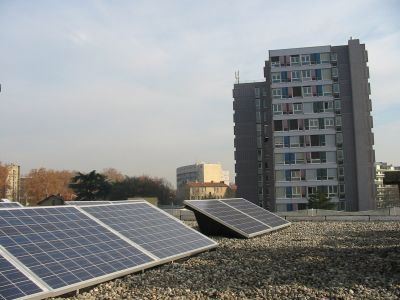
column 109, row 184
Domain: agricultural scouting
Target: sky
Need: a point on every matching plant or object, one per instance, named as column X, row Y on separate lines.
column 146, row 86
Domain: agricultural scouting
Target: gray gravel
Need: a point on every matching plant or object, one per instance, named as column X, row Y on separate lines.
column 308, row 260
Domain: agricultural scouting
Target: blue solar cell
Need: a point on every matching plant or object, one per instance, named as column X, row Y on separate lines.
column 13, row 283
column 228, row 215
column 9, row 204
column 63, row 246
column 256, row 212
column 152, row 229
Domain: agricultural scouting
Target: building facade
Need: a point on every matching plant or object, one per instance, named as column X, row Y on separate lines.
column 203, row 190
column 201, row 172
column 386, row 195
column 306, row 129
column 13, row 182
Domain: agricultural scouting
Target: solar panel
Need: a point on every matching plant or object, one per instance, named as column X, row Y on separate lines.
column 237, row 215
column 65, row 248
column 256, row 212
column 10, row 204
column 97, row 202
column 151, row 228
column 13, row 283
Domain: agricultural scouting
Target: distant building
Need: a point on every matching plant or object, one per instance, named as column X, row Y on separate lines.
column 306, row 128
column 386, row 195
column 13, row 182
column 203, row 190
column 201, row 172
column 51, row 201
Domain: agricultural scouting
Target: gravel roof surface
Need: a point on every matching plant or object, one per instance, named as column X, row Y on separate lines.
column 308, row 260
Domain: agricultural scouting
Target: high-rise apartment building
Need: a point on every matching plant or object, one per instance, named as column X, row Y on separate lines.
column 386, row 195
column 306, row 129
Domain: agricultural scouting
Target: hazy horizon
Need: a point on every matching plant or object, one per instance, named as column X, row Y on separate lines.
column 146, row 87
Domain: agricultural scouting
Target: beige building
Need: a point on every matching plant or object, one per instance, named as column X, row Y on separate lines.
column 201, row 172
column 13, row 182
column 203, row 190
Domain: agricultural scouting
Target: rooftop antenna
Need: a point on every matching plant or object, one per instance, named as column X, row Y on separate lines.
column 237, row 76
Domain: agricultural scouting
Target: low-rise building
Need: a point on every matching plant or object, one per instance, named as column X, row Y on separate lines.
column 386, row 195
column 201, row 172
column 203, row 190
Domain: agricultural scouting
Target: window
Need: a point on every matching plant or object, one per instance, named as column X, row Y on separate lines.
column 280, row 175
column 279, row 159
column 341, row 171
column 311, row 190
column 297, row 108
column 278, row 125
column 333, row 56
column 294, row 141
column 339, row 139
column 315, row 157
column 278, row 141
column 300, row 158
column 328, row 106
column 297, row 91
column 257, row 92
column 276, row 77
column 305, row 59
column 338, row 123
column 258, row 116
column 294, row 60
column 332, row 190
column 306, row 74
column 329, row 123
column 325, row 58
column 341, row 188
column 296, row 192
column 259, row 154
column 331, row 174
column 276, row 93
column 307, row 92
column 313, row 124
column 327, row 89
column 322, row 174
column 296, row 175
column 257, row 101
column 336, row 88
column 293, row 125
column 326, row 74
column 296, row 76
column 275, row 61
column 277, row 109
column 340, row 156
column 335, row 72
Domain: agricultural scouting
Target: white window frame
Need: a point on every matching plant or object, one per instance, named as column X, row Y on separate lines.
column 279, row 142
column 296, row 107
column 306, row 75
column 295, row 60
column 277, row 109
column 296, row 191
column 276, row 77
column 295, row 175
column 301, row 161
column 307, row 91
column 277, row 93
column 297, row 76
column 305, row 59
column 329, row 123
column 313, row 124
column 295, row 144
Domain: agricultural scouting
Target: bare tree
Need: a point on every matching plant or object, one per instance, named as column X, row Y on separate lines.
column 113, row 175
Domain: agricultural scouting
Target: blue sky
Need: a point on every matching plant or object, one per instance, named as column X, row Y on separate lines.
column 145, row 87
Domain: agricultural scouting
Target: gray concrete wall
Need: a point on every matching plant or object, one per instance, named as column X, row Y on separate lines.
column 362, row 126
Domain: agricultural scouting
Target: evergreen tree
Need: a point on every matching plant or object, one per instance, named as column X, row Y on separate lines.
column 91, row 186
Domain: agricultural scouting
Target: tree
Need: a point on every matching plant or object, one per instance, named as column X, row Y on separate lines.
column 41, row 183
column 143, row 186
column 3, row 179
column 90, row 186
column 113, row 175
column 320, row 201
